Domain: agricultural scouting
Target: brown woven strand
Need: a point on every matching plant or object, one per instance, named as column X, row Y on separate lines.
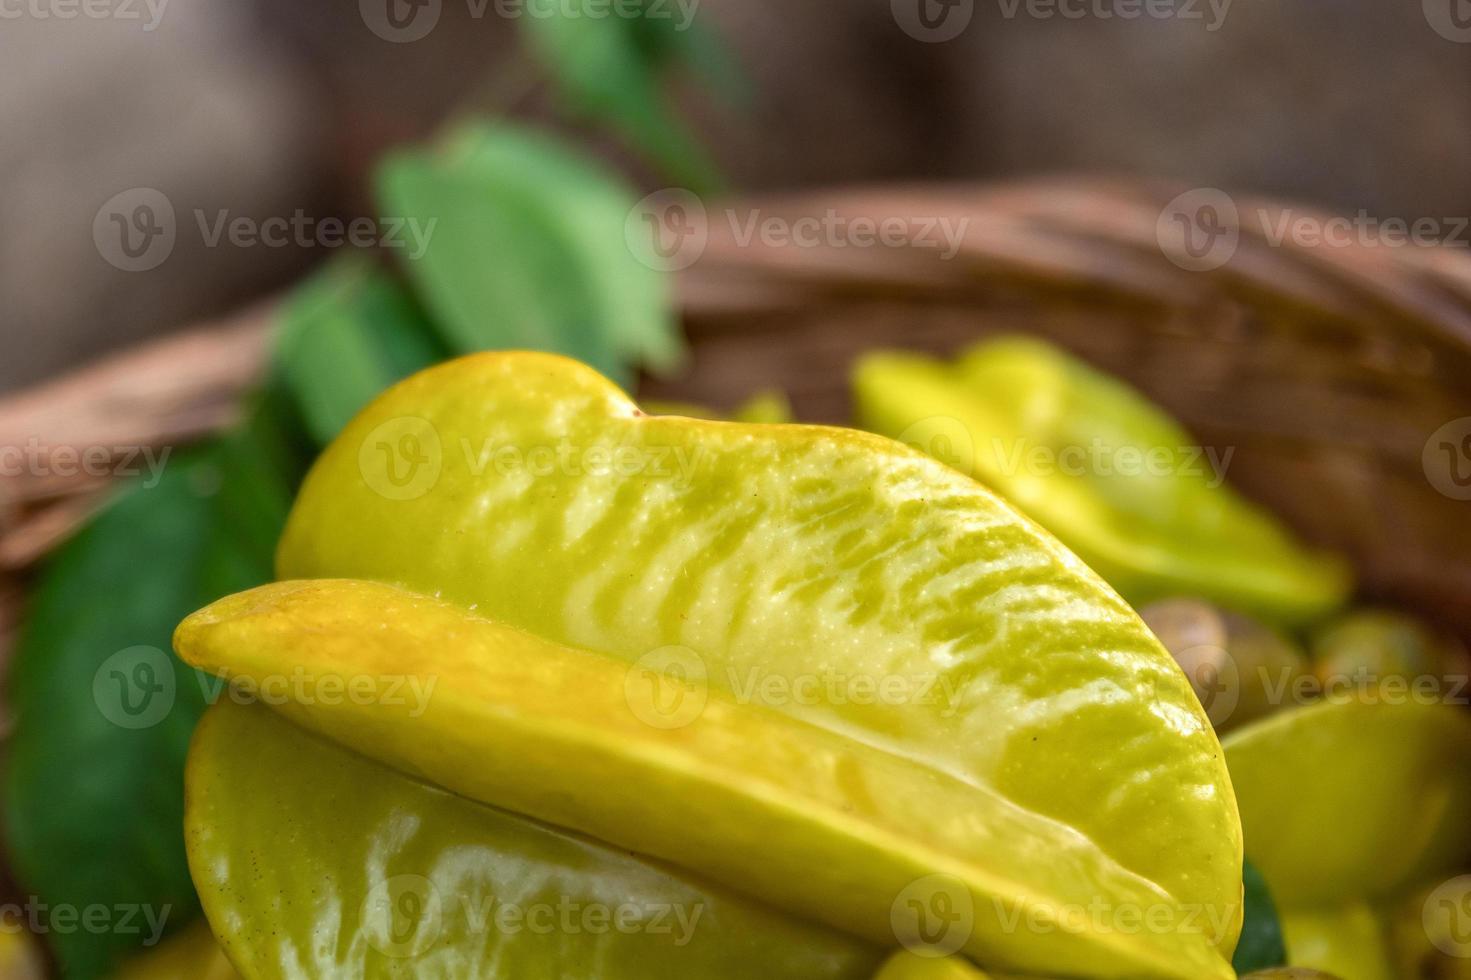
column 1324, row 370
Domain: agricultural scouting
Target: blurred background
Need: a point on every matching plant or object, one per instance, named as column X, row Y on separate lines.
column 263, row 107
column 229, row 224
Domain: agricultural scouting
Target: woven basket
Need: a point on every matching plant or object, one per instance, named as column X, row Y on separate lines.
column 1325, row 369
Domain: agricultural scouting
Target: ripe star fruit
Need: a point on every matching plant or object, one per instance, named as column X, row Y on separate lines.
column 1348, row 804
column 1103, row 468
column 804, row 671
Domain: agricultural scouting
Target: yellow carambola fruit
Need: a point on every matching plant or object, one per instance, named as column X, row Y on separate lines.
column 314, row 862
column 191, row 954
column 1108, row 472
column 742, row 794
column 912, row 966
column 1345, row 941
column 1346, row 805
column 916, row 631
column 1350, row 800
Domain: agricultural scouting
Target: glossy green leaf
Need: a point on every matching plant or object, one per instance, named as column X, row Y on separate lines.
column 314, row 862
column 611, row 70
column 1261, row 946
column 1347, row 800
column 1105, row 470
column 528, row 251
column 93, row 785
column 779, row 555
column 346, row 335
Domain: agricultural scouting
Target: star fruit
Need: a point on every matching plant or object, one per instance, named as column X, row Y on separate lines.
column 804, row 690
column 1107, row 471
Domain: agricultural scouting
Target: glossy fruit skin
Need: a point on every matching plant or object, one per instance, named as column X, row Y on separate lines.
column 784, row 551
column 1105, row 470
column 764, row 552
column 813, row 823
column 1345, row 806
column 385, row 876
column 1346, row 941
column 1322, row 786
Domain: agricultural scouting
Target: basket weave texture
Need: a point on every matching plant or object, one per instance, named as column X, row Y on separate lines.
column 1327, row 370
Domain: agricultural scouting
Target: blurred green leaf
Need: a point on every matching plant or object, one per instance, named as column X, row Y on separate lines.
column 347, row 334
column 104, row 712
column 528, row 250
column 611, row 70
column 1261, row 946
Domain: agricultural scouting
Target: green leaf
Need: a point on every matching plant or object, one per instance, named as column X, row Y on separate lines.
column 670, row 44
column 528, row 250
column 1261, row 946
column 104, row 712
column 610, row 68
column 347, row 334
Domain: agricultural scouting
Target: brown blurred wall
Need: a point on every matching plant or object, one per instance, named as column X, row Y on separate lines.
column 263, row 107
